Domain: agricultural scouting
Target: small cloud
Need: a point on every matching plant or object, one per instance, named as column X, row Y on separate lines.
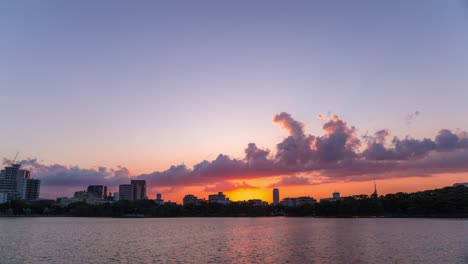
column 409, row 119
column 228, row 186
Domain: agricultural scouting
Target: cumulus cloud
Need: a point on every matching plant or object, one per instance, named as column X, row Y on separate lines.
column 300, row 158
column 59, row 180
column 337, row 154
column 61, row 175
column 292, row 180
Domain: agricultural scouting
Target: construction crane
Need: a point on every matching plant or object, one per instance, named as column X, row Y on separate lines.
column 16, row 156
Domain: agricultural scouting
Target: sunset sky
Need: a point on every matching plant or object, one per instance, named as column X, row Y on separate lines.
column 332, row 94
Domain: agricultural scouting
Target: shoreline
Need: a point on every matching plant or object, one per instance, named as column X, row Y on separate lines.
column 285, row 216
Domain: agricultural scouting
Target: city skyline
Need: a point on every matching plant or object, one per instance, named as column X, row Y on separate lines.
column 301, row 160
column 339, row 157
column 16, row 185
column 184, row 96
column 137, row 190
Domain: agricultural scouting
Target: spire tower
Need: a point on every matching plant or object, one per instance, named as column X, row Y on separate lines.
column 375, row 195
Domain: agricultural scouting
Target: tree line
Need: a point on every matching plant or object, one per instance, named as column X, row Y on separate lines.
column 444, row 202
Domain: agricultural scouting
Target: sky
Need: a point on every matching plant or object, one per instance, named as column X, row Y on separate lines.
column 102, row 91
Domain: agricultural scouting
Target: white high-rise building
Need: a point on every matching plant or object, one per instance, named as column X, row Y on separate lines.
column 276, row 197
column 16, row 184
column 3, row 197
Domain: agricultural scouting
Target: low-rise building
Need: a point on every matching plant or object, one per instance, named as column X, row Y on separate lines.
column 257, row 202
column 288, row 202
column 99, row 191
column 192, row 199
column 218, row 198
column 461, row 184
column 189, row 199
column 159, row 199
column 336, row 197
column 303, row 200
column 65, row 201
column 81, row 196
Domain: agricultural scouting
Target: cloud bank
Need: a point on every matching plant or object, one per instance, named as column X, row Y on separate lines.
column 336, row 155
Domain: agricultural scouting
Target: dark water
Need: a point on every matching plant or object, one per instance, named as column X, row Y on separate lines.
column 232, row 240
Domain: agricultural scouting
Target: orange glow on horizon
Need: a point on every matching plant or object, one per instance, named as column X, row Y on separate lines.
column 264, row 190
column 248, row 194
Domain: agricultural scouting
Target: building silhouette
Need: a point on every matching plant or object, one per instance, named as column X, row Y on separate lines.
column 159, row 199
column 276, row 197
column 126, row 192
column 3, row 197
column 81, row 196
column 303, row 200
column 189, row 199
column 140, row 189
column 136, row 190
column 192, row 199
column 16, row 184
column 336, row 197
column 99, row 191
column 218, row 198
column 460, row 184
column 33, row 187
column 257, row 202
column 374, row 194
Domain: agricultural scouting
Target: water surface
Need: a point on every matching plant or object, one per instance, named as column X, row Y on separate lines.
column 232, row 240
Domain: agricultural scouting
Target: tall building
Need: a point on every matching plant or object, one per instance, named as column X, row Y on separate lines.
column 276, row 197
column 126, row 192
column 3, row 197
column 99, row 191
column 136, row 190
column 33, row 187
column 12, row 181
column 16, row 184
column 140, row 189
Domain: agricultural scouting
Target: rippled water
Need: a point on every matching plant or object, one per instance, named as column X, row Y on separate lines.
column 232, row 240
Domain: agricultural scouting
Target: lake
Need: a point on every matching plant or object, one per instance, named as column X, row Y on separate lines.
column 233, row 240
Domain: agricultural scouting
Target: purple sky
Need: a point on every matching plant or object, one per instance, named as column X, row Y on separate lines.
column 149, row 84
